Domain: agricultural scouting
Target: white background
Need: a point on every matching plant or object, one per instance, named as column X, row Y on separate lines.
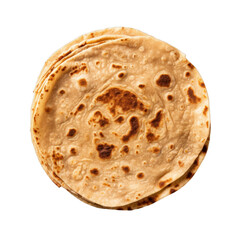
column 32, row 207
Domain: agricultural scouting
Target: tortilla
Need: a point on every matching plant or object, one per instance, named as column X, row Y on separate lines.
column 118, row 116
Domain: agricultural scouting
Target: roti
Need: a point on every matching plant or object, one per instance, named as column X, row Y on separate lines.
column 119, row 116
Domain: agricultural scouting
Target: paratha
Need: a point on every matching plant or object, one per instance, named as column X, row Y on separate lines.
column 119, row 116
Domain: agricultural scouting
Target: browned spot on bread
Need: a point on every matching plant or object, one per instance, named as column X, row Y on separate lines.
column 119, row 119
column 81, row 68
column 126, row 169
column 119, row 208
column 94, row 171
column 100, row 119
column 204, row 148
column 201, row 83
column 180, row 163
column 64, row 55
column 156, row 121
column 191, row 97
column 190, row 65
column 187, row 74
column 170, row 97
column 156, row 150
column 79, row 108
column 205, row 110
column 118, row 98
column 57, row 156
column 62, row 92
column 141, row 86
column 140, row 175
column 101, row 134
column 125, row 149
column 172, row 190
column 161, row 184
column 116, row 66
column 207, row 124
column 73, row 151
column 151, row 137
column 106, row 184
column 189, row 175
column 97, row 62
column 121, row 74
column 196, row 162
column 129, row 208
column 134, row 128
column 47, row 109
column 105, row 150
column 177, row 185
column 35, row 130
column 82, row 82
column 71, row 132
column 63, row 69
column 164, row 80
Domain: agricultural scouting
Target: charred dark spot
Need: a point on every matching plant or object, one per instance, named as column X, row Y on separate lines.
column 99, row 118
column 150, row 137
column 205, row 148
column 73, row 151
column 82, row 82
column 177, row 185
column 105, row 150
column 81, row 68
column 121, row 75
column 205, row 110
column 116, row 66
column 164, row 81
column 170, row 97
column 190, row 65
column 94, row 171
column 103, row 122
column 101, row 134
column 116, row 97
column 151, row 199
column 201, row 84
column 141, row 86
column 172, row 190
column 161, row 184
column 156, row 121
column 63, row 69
column 35, row 130
column 119, row 208
column 125, row 149
column 71, row 132
column 47, row 109
column 57, row 156
column 129, row 208
column 62, row 92
column 119, row 119
column 189, row 175
column 140, row 175
column 79, row 108
column 187, row 74
column 196, row 162
column 191, row 97
column 134, row 128
column 126, row 169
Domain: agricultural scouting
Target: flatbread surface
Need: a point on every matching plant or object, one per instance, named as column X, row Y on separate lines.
column 119, row 116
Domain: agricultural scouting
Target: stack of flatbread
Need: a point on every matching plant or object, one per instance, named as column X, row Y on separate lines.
column 120, row 119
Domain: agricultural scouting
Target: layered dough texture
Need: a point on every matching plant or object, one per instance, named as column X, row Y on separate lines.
column 120, row 119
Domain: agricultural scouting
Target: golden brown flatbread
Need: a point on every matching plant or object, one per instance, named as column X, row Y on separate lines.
column 119, row 116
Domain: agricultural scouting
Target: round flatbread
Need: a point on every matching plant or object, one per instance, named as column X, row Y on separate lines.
column 118, row 116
